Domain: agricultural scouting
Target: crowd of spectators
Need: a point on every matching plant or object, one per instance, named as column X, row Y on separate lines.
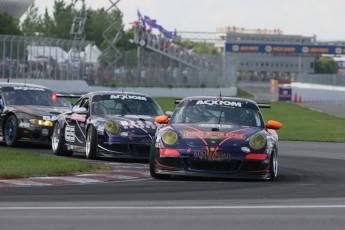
column 145, row 37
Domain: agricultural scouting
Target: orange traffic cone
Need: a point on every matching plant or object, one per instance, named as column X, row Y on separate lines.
column 295, row 98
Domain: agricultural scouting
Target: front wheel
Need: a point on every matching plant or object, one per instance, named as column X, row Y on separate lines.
column 11, row 131
column 274, row 165
column 57, row 142
column 91, row 143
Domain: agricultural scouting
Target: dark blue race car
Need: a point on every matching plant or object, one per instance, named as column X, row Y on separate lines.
column 110, row 123
column 217, row 137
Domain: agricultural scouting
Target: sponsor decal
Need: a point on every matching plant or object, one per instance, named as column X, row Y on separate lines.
column 24, row 125
column 49, row 118
column 70, row 133
column 77, row 117
column 45, row 132
column 100, row 129
column 132, row 97
column 214, row 134
column 27, row 88
column 319, row 50
column 139, row 122
column 249, row 48
column 75, row 148
column 140, row 126
column 217, row 102
column 211, row 155
column 278, row 49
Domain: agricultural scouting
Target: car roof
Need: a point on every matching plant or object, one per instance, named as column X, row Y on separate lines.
column 12, row 84
column 116, row 92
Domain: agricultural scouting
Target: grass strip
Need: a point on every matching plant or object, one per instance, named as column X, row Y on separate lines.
column 299, row 123
column 18, row 164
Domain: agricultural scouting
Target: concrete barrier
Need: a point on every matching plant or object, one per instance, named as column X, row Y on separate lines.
column 318, row 93
column 79, row 87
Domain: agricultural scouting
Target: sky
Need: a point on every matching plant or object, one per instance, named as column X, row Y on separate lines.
column 294, row 17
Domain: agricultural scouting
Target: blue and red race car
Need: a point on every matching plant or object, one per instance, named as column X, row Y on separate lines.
column 216, row 137
column 107, row 123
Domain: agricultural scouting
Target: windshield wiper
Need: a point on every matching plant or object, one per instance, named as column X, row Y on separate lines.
column 220, row 114
column 126, row 106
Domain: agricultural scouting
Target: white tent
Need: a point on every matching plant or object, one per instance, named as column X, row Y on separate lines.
column 91, row 54
column 44, row 53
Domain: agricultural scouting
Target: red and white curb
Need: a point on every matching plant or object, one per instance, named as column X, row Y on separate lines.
column 123, row 172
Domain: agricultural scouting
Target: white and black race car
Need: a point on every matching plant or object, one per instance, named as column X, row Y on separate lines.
column 28, row 112
column 108, row 123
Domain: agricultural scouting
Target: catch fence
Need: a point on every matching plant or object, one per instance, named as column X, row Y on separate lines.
column 23, row 57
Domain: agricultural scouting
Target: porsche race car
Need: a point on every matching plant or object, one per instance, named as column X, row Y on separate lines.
column 216, row 137
column 27, row 113
column 108, row 123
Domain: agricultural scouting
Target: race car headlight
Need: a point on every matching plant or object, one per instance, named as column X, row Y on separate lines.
column 169, row 137
column 41, row 122
column 257, row 141
column 112, row 127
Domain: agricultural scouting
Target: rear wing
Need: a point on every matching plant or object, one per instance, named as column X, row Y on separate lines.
column 260, row 105
column 72, row 98
column 177, row 101
column 264, row 105
column 68, row 95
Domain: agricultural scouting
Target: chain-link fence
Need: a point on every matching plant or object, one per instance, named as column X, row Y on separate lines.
column 48, row 58
column 40, row 58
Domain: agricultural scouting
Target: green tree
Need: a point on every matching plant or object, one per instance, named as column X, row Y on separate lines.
column 47, row 24
column 9, row 25
column 32, row 23
column 95, row 25
column 62, row 20
column 325, row 65
column 198, row 47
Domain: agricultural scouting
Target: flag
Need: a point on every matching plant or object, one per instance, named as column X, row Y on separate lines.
column 150, row 22
column 140, row 18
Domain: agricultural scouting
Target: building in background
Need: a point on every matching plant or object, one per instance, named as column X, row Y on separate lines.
column 266, row 54
column 270, row 54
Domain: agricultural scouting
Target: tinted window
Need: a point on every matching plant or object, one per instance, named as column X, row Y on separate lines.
column 23, row 95
column 125, row 105
column 213, row 112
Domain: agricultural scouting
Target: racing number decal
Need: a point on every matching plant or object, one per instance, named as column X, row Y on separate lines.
column 69, row 133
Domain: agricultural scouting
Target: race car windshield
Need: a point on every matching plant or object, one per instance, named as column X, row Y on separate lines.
column 125, row 105
column 32, row 96
column 216, row 114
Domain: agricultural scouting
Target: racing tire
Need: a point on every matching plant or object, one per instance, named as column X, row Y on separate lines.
column 153, row 173
column 274, row 166
column 91, row 143
column 11, row 133
column 57, row 142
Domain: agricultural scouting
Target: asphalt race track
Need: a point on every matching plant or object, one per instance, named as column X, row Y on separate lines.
column 308, row 194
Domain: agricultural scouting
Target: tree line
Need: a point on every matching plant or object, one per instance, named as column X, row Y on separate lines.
column 58, row 25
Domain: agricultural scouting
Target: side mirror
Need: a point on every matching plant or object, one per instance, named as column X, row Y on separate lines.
column 169, row 113
column 162, row 119
column 79, row 110
column 273, row 124
column 1, row 104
